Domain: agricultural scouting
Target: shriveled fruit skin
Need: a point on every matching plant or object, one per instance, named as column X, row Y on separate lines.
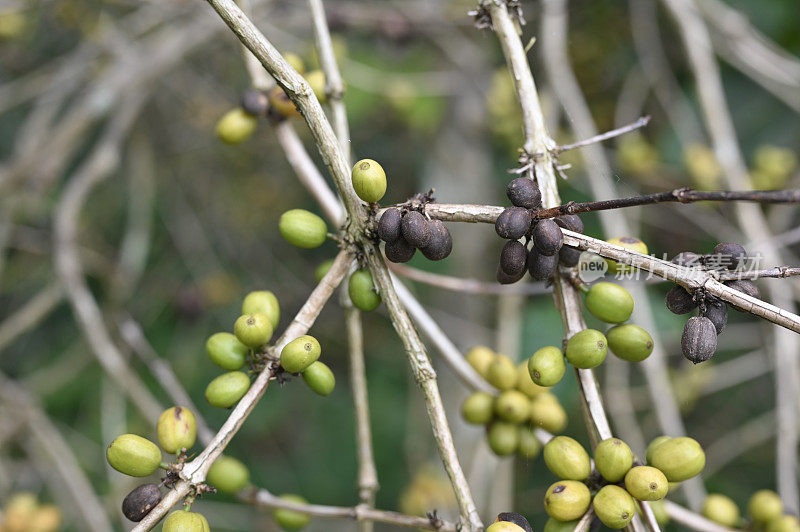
column 547, row 237
column 479, row 357
column 764, row 506
column 389, row 224
column 513, row 223
column 183, row 521
column 478, row 408
column 263, row 302
column 652, row 446
column 502, row 373
column 514, row 518
column 228, row 475
column 302, row 228
column 571, row 222
column 362, row 291
column 399, row 250
column 291, row 520
column 541, row 267
column 503, row 438
column 629, row 342
column 176, row 429
column 254, row 102
column 567, row 500
column 138, row 503
column 524, row 192
column 586, row 349
column 546, row 366
column 226, row 390
column 722, row 510
column 717, row 311
column 503, row 278
column 512, row 406
column 529, row 446
column 567, row 459
column 415, row 229
column 300, row 353
column 569, row 256
column 679, row 300
column 614, row 506
column 226, row 351
column 688, row 259
column 609, row 302
column 514, row 258
column 746, row 287
column 646, row 483
column 547, row 413
column 441, row 243
column 133, row 455
column 253, row 330
column 613, row 459
column 730, row 254
column 369, row 180
column 699, row 340
column 679, row 458
column 319, row 378
column 784, row 523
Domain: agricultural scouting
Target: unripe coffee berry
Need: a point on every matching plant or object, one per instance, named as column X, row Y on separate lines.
column 609, row 302
column 399, row 250
column 138, row 503
column 765, row 506
column 524, row 192
column 646, row 483
column 529, row 446
column 512, row 406
column 300, row 353
column 479, row 357
column 547, row 237
column 226, row 390
column 176, row 429
column 524, row 382
column 253, row 330
column 653, row 445
column 502, row 373
column 441, row 243
column 133, row 455
column 613, row 459
column 263, row 302
column 503, row 438
column 513, row 223
column 547, row 413
column 586, row 349
column 614, row 506
column 183, row 521
column 546, row 366
column 228, row 475
column 369, row 180
column 571, row 222
column 254, row 102
column 319, row 378
column 554, row 525
column 362, row 291
column 321, row 270
column 627, row 242
column 316, row 79
column 699, row 340
column 567, row 459
column 291, row 520
column 515, row 519
column 281, row 105
column 629, row 342
column 541, row 267
column 226, row 351
column 389, row 224
column 722, row 510
column 504, row 526
column 415, row 229
column 679, row 300
column 784, row 523
column 478, row 408
column 514, row 258
column 302, row 228
column 679, row 458
column 567, row 500
column 236, row 126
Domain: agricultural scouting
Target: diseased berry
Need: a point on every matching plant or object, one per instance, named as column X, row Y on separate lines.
column 253, row 330
column 362, row 291
column 678, row 458
column 765, row 506
column 629, row 342
column 303, row 229
column 547, row 413
column 567, row 459
column 369, row 180
column 228, row 475
column 729, row 255
column 717, row 311
column 226, row 390
column 316, row 79
column 699, row 340
column 514, row 258
column 441, row 243
column 529, row 446
column 514, row 518
column 502, row 372
column 541, row 267
column 512, row 406
column 176, row 429
column 319, row 378
column 503, row 438
column 300, row 353
column 609, row 302
column 546, row 366
column 236, row 126
column 688, row 259
column 784, row 523
column 524, row 192
column 652, row 447
column 281, row 105
column 566, row 500
column 627, row 242
column 254, row 102
column 183, row 521
column 513, row 223
column 263, row 302
column 524, row 382
column 613, row 459
column 479, row 357
column 586, row 349
column 646, row 483
column 291, row 520
column 569, row 256
column 722, row 510
column 570, row 222
column 399, row 250
column 746, row 287
column 478, row 408
column 547, row 237
column 679, row 300
column 503, row 278
column 226, row 351
column 138, row 503
column 614, row 506
column 133, row 455
column 415, row 229
column 389, row 224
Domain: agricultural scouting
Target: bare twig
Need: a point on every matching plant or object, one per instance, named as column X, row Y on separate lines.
column 640, row 123
column 691, row 519
column 466, row 286
column 31, row 314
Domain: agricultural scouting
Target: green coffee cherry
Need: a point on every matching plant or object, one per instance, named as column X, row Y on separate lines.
column 228, row 475
column 646, row 483
column 478, row 408
column 236, row 126
column 554, row 525
column 764, row 506
column 614, row 506
column 586, row 349
column 369, row 180
column 502, row 372
column 567, row 500
column 513, row 406
column 263, row 302
column 303, row 229
column 290, row 519
column 319, row 378
column 183, row 521
column 300, row 353
column 628, row 242
column 253, row 330
column 524, row 382
column 503, row 438
column 133, row 455
column 679, row 458
column 653, row 444
column 722, row 510
column 322, row 269
column 609, row 302
column 226, row 351
column 547, row 413
column 630, row 342
column 226, row 390
column 784, row 523
column 504, row 526
column 362, row 291
column 316, row 78
column 479, row 357
column 546, row 366
column 613, row 458
column 529, row 446
column 176, row 429
column 567, row 459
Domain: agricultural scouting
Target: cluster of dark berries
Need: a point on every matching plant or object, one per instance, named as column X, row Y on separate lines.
column 699, row 341
column 405, row 230
column 519, row 221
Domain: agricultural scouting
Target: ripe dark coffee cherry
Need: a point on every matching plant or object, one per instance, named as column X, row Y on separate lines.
column 524, row 192
column 504, row 278
column 687, row 258
column 541, row 267
column 717, row 311
column 571, row 222
column 415, row 229
column 138, row 503
column 730, row 255
column 254, row 102
column 746, row 287
column 441, row 243
column 514, row 258
column 547, row 237
column 513, row 223
column 679, row 300
column 699, row 340
column 389, row 224
column 569, row 256
column 399, row 250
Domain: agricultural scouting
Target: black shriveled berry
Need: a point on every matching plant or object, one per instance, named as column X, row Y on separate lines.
column 541, row 267
column 524, row 192
column 441, row 243
column 504, row 278
column 415, row 229
column 679, row 300
column 687, row 258
column 399, row 250
column 569, row 256
column 255, row 102
column 514, row 258
column 746, row 287
column 547, row 237
column 138, row 503
column 389, row 224
column 717, row 311
column 513, row 223
column 571, row 222
column 699, row 340
column 730, row 255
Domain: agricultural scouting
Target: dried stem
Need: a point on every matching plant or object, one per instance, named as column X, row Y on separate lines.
column 640, row 123
column 467, row 286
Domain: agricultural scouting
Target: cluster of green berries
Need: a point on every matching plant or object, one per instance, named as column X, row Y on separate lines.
column 520, row 406
column 765, row 509
column 22, row 512
column 699, row 340
column 619, row 480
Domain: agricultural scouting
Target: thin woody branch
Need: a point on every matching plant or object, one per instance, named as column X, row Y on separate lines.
column 640, row 123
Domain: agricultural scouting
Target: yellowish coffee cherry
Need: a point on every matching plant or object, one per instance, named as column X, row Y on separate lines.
column 226, row 390
column 566, row 500
column 183, row 521
column 613, row 459
column 653, row 444
column 503, row 438
column 253, row 330
column 236, row 126
column 228, row 475
column 567, row 459
column 529, row 446
column 478, row 408
column 369, row 180
column 281, row 104
column 316, row 78
column 764, row 506
column 784, row 523
column 586, row 349
column 319, row 378
column 176, row 429
column 303, row 228
column 513, row 406
column 546, row 366
column 502, row 372
column 646, row 483
column 628, row 242
column 479, row 357
column 722, row 510
column 614, row 506
column 524, row 382
column 133, row 455
column 296, row 62
column 504, row 526
column 300, row 353
column 679, row 458
column 547, row 413
column 263, row 302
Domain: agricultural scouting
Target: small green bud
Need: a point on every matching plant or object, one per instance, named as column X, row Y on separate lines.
column 478, row 408
column 362, row 291
column 183, row 521
column 567, row 500
column 653, row 444
column 630, row 342
column 679, row 458
column 133, row 455
column 554, row 525
column 502, row 372
column 547, row 413
column 546, row 366
column 176, row 429
column 300, row 353
column 303, row 229
column 529, row 446
column 479, row 357
column 253, row 330
column 226, row 351
column 236, row 126
column 513, row 406
column 722, row 510
column 567, row 459
column 319, row 378
column 609, row 302
column 503, row 438
column 613, row 458
column 784, row 523
column 291, row 520
column 764, row 506
column 263, row 302
column 646, row 483
column 228, row 475
column 586, row 349
column 322, row 269
column 369, row 180
column 226, row 390
column 524, row 382
column 614, row 506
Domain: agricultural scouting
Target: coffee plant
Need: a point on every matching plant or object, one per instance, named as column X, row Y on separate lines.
column 593, row 473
